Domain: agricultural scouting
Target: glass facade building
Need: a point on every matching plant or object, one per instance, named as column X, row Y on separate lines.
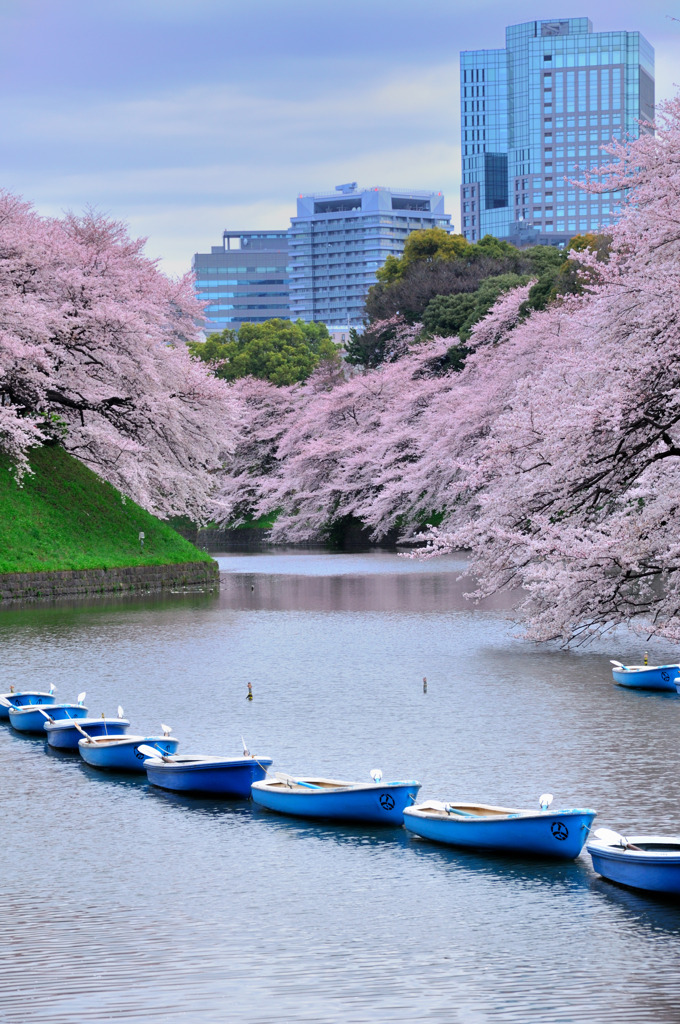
column 338, row 240
column 245, row 279
column 535, row 115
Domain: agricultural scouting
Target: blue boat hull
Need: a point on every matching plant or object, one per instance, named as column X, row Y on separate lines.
column 230, row 778
column 21, row 700
column 652, row 870
column 377, row 803
column 652, row 677
column 66, row 737
column 123, row 755
column 26, row 720
column 552, row 834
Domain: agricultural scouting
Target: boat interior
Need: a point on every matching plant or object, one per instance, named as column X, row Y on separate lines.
column 650, row 847
column 288, row 782
column 459, row 810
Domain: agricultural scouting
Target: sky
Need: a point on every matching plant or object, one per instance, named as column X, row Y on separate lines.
column 186, row 117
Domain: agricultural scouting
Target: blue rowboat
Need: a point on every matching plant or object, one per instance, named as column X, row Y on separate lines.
column 19, row 699
column 377, row 802
column 646, row 677
column 65, row 735
column 641, row 862
column 542, row 833
column 121, row 753
column 192, row 773
column 33, row 719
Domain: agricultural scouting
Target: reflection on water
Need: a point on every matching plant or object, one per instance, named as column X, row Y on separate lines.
column 133, row 904
column 650, row 911
column 379, row 582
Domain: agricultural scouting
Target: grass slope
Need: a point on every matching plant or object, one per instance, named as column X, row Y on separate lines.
column 66, row 517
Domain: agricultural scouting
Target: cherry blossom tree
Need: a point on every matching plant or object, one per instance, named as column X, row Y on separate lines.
column 572, row 493
column 380, row 446
column 553, row 455
column 346, row 449
column 266, row 414
column 93, row 357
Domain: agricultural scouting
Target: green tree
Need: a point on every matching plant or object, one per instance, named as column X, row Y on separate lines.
column 445, row 315
column 429, row 244
column 543, row 258
column 366, row 348
column 493, row 248
column 281, row 351
column 566, row 276
column 454, row 315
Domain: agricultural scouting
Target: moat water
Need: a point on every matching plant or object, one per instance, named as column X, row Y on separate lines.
column 124, row 903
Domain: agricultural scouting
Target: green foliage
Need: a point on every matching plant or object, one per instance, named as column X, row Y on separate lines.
column 429, row 244
column 390, row 271
column 263, row 523
column 280, row 351
column 65, row 517
column 566, row 277
column 435, row 263
column 542, row 293
column 455, row 315
column 446, row 315
column 449, row 284
column 368, row 349
column 543, row 258
column 491, row 247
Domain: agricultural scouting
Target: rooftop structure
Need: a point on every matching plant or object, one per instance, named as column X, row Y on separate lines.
column 339, row 239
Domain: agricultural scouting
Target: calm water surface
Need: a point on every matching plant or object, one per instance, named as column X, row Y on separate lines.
column 122, row 903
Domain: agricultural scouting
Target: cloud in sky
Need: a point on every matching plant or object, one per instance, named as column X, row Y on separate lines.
column 184, row 117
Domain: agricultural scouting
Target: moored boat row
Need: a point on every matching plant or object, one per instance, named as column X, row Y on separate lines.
column 647, row 862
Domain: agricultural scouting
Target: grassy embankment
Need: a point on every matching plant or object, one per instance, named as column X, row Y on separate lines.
column 66, row 517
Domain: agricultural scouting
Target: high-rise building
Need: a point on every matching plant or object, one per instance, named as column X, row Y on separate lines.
column 245, row 279
column 535, row 115
column 339, row 239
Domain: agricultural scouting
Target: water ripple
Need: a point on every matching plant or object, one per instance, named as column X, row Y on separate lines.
column 123, row 903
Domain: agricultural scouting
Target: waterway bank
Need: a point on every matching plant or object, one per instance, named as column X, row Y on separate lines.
column 67, row 534
column 86, row 583
column 64, row 517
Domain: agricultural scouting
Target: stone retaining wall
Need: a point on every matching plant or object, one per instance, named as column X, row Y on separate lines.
column 137, row 579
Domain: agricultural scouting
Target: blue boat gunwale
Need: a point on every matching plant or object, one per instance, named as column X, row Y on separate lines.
column 645, row 668
column 110, row 741
column 326, row 786
column 494, row 815
column 612, row 851
column 24, row 709
column 83, row 723
column 15, row 694
column 193, row 762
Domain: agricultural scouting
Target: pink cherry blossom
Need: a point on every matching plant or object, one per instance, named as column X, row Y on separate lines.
column 92, row 354
column 553, row 456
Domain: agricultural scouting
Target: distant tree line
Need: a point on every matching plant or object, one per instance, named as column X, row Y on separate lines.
column 446, row 284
